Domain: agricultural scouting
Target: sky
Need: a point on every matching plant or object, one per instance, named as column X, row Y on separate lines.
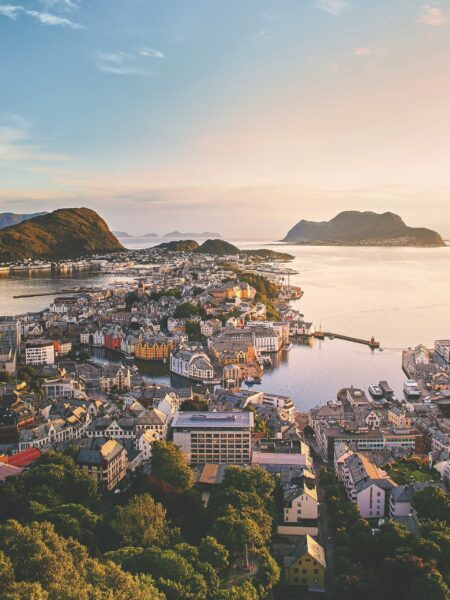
column 239, row 116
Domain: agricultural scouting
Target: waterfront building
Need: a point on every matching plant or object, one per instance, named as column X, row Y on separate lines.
column 442, row 347
column 399, row 417
column 39, row 352
column 154, row 348
column 192, row 365
column 223, row 438
column 114, row 378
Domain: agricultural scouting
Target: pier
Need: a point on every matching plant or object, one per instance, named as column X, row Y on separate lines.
column 372, row 343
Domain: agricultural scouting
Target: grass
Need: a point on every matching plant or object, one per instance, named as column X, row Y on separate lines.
column 408, row 470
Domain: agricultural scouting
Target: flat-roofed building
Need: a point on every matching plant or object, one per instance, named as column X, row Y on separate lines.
column 222, row 438
column 442, row 347
column 40, row 352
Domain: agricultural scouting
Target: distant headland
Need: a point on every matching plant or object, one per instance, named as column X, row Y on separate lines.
column 354, row 228
column 61, row 234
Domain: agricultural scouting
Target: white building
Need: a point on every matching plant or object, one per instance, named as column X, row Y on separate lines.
column 222, row 438
column 115, row 377
column 300, row 503
column 40, row 352
column 98, row 338
column 442, row 347
column 192, row 365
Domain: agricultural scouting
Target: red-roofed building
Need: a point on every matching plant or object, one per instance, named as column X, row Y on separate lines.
column 24, row 458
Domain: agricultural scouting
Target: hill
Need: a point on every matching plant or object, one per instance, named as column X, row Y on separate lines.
column 354, row 228
column 64, row 233
column 203, row 235
column 266, row 254
column 152, row 235
column 217, row 247
column 179, row 246
column 7, row 219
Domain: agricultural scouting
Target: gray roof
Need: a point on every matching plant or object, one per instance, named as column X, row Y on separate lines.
column 405, row 493
column 212, row 420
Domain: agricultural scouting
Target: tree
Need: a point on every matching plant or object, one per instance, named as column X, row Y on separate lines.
column 140, row 523
column 47, row 565
column 236, row 531
column 167, row 463
column 268, row 572
column 432, row 503
column 69, row 520
column 214, row 553
column 186, row 310
column 193, row 405
column 52, row 480
column 4, row 377
column 249, row 480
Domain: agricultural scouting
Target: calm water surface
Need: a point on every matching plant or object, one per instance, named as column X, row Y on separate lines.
column 399, row 295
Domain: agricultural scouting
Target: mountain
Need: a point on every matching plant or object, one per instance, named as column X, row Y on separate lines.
column 64, row 233
column 203, row 235
column 354, row 228
column 217, row 247
column 152, row 235
column 8, row 219
column 122, row 234
column 179, row 246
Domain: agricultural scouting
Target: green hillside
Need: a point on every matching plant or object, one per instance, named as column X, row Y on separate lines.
column 64, row 233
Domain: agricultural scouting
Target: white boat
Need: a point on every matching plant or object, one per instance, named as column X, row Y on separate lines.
column 289, row 346
column 411, row 389
column 375, row 391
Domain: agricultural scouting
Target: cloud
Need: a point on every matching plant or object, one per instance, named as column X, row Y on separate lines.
column 122, row 63
column 333, row 7
column 63, row 5
column 151, row 53
column 46, row 18
column 11, row 11
column 17, row 144
column 51, row 19
column 433, row 16
column 368, row 51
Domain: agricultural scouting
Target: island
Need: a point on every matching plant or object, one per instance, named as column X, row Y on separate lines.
column 202, row 235
column 355, row 228
column 178, row 246
column 122, row 234
column 64, row 233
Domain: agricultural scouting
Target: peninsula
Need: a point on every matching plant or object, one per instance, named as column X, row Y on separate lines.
column 64, row 233
column 354, row 228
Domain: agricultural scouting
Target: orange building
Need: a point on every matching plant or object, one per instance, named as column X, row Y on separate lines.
column 157, row 348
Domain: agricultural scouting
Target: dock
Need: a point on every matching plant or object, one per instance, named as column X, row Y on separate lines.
column 372, row 343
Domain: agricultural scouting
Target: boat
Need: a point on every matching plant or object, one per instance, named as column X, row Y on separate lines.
column 375, row 391
column 388, row 392
column 252, row 381
column 289, row 347
column 411, row 389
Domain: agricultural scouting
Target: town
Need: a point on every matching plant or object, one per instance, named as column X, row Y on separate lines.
column 291, row 504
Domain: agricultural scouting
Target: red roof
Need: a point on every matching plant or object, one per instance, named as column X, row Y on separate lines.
column 24, row 458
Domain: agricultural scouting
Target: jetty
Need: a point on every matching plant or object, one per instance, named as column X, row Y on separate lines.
column 372, row 343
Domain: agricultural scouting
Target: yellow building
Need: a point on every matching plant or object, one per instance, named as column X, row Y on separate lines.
column 307, row 566
column 243, row 291
column 153, row 348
